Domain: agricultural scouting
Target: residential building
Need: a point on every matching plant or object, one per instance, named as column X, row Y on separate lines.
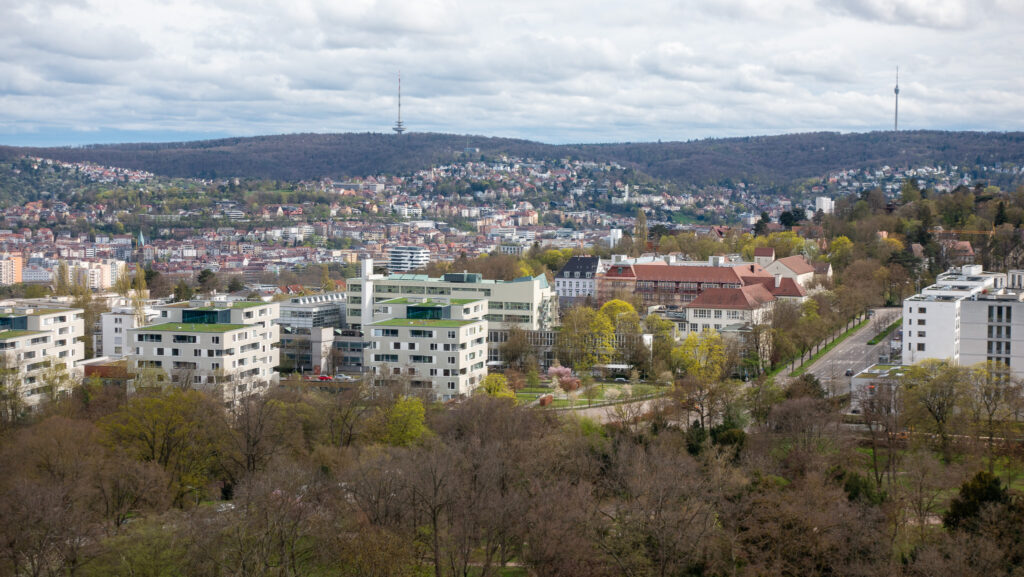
column 234, row 360
column 34, row 339
column 436, row 345
column 10, row 268
column 716, row 308
column 527, row 302
column 226, row 347
column 407, row 258
column 932, row 319
column 796, row 267
column 112, row 340
column 578, row 279
column 825, row 204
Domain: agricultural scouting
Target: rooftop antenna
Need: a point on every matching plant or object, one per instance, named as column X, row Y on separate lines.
column 896, row 91
column 399, row 128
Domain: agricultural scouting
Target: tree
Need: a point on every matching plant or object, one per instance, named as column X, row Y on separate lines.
column 61, row 282
column 403, row 424
column 138, row 297
column 934, row 389
column 495, row 385
column 640, row 232
column 983, row 489
column 123, row 284
column 182, row 291
column 516, row 350
column 326, row 284
column 207, row 280
column 236, row 284
column 585, row 339
column 174, row 428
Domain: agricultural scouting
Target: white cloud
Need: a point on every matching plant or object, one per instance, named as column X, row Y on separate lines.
column 556, row 71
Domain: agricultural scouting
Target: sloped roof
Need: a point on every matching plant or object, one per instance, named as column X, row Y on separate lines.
column 749, row 297
column 788, row 287
column 764, row 251
column 796, row 263
column 581, row 264
column 701, row 274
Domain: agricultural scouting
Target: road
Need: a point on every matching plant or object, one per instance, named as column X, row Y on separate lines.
column 854, row 353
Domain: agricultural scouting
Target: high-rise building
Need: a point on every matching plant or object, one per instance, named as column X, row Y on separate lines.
column 407, row 258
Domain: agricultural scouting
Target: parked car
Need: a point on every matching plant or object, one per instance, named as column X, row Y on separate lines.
column 620, row 379
column 849, row 372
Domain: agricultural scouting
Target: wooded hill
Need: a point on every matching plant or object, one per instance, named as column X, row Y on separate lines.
column 763, row 159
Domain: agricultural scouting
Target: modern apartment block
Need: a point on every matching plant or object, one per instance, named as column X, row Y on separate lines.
column 407, row 258
column 34, row 339
column 112, row 340
column 227, row 347
column 433, row 344
column 527, row 303
column 950, row 319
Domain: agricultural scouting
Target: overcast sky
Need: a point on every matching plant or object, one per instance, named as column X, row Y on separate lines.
column 80, row 71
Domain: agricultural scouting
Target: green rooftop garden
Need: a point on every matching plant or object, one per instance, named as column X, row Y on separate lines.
column 429, row 302
column 14, row 334
column 423, row 323
column 193, row 328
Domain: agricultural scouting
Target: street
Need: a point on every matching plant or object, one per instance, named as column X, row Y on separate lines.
column 854, row 353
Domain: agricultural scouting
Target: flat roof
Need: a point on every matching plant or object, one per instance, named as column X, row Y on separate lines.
column 15, row 334
column 429, row 302
column 193, row 328
column 247, row 304
column 444, row 323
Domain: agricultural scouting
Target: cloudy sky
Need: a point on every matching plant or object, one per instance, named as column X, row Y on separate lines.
column 80, row 71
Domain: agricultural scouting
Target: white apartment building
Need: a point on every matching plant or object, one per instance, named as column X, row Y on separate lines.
column 578, row 278
column 112, row 340
column 527, row 303
column 306, row 312
column 234, row 359
column 435, row 345
column 407, row 258
column 34, row 339
column 932, row 319
column 825, row 204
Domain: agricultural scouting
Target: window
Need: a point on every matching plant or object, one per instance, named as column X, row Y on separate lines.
column 385, row 358
column 920, row 334
column 920, row 322
column 922, row 310
column 451, row 360
column 920, row 346
column 452, row 334
column 149, row 338
column 433, row 346
column 385, row 332
column 160, row 352
column 184, row 338
column 215, row 340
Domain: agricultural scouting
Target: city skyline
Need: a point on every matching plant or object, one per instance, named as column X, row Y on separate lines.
column 80, row 72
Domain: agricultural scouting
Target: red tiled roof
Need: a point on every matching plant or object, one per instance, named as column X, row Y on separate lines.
column 764, row 251
column 797, row 263
column 749, row 297
column 719, row 274
column 620, row 271
column 788, row 287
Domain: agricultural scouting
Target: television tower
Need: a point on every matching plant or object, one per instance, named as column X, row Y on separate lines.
column 399, row 128
column 896, row 91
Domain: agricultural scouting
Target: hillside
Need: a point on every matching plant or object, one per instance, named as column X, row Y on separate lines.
column 765, row 159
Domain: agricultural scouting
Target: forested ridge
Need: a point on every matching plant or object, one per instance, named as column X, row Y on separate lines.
column 766, row 159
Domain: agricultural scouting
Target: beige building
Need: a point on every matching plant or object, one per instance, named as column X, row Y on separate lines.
column 528, row 303
column 32, row 340
column 10, row 269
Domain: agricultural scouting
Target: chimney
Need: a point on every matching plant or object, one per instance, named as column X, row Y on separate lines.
column 751, row 268
column 778, row 280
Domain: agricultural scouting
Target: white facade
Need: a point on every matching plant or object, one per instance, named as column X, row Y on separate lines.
column 236, row 359
column 445, row 356
column 407, row 258
column 34, row 339
column 824, row 204
column 114, row 325
column 932, row 319
column 527, row 303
